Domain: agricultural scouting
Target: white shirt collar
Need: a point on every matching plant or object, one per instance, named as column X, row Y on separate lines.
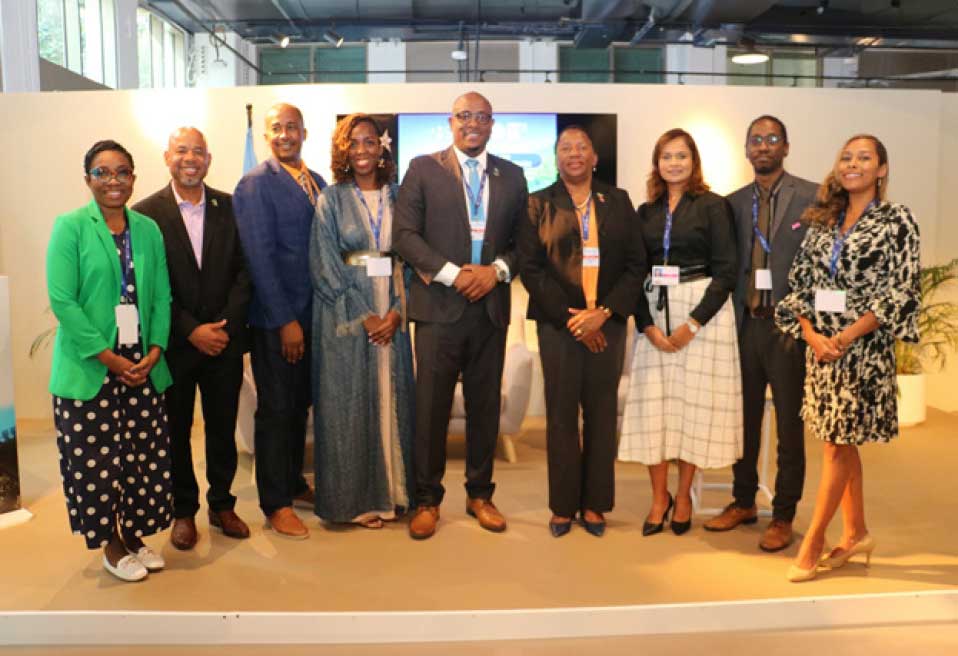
column 180, row 201
column 462, row 157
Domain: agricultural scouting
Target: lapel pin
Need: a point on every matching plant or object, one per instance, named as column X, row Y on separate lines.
column 214, row 203
column 601, row 197
column 796, row 225
column 495, row 171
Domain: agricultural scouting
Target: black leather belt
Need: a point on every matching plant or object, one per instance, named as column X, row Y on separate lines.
column 686, row 274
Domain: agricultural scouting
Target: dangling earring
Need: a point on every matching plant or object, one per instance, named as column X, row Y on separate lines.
column 346, row 168
column 382, row 163
column 595, row 168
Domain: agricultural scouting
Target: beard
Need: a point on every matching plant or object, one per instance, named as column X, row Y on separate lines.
column 769, row 167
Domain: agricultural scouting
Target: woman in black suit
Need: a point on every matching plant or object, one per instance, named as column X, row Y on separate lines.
column 583, row 264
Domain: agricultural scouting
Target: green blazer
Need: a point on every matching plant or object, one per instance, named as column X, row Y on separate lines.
column 83, row 282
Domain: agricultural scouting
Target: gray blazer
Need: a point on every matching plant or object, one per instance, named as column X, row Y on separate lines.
column 787, row 231
column 431, row 227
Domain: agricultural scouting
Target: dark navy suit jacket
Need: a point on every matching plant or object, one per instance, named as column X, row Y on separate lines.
column 274, row 217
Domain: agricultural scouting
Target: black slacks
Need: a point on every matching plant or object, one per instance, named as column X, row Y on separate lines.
column 282, row 402
column 474, row 347
column 581, row 472
column 770, row 357
column 219, row 380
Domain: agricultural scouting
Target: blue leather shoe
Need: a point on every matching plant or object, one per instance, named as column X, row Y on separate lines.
column 558, row 529
column 594, row 528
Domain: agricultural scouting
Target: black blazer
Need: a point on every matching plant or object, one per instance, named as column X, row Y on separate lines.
column 221, row 289
column 550, row 253
column 431, row 227
column 787, row 230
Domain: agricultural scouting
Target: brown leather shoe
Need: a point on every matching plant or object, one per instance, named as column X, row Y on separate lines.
column 183, row 536
column 286, row 524
column 732, row 516
column 305, row 500
column 423, row 523
column 230, row 523
column 488, row 515
column 777, row 536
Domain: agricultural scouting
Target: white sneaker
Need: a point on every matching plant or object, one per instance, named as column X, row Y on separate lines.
column 127, row 569
column 151, row 560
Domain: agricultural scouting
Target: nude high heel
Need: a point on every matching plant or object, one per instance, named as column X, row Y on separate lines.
column 864, row 546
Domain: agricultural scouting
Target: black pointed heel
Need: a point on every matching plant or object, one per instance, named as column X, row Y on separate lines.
column 648, row 528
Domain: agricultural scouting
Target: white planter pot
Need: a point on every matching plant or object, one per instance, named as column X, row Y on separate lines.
column 911, row 399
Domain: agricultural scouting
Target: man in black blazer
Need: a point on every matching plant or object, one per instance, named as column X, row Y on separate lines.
column 211, row 293
column 768, row 221
column 457, row 214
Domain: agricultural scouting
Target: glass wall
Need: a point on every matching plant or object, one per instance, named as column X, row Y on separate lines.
column 79, row 35
column 161, row 52
column 613, row 64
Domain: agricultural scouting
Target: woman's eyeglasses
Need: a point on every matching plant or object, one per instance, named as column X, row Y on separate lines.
column 104, row 175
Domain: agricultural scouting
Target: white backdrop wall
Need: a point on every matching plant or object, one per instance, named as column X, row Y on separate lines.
column 46, row 135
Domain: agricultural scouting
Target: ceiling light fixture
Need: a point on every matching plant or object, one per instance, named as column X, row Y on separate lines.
column 282, row 40
column 334, row 39
column 459, row 54
column 750, row 55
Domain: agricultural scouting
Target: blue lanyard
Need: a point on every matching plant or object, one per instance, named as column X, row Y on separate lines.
column 376, row 225
column 476, row 200
column 841, row 238
column 758, row 233
column 586, row 215
column 125, row 262
column 667, row 235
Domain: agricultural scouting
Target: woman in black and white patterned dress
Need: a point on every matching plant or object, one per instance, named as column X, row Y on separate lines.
column 856, row 289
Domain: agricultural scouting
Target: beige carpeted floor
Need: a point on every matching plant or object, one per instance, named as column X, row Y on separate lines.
column 911, row 502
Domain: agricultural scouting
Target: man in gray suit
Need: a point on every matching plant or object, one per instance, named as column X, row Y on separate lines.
column 768, row 221
column 456, row 219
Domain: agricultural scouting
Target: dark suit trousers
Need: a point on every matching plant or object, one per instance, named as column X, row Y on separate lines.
column 476, row 348
column 282, row 403
column 770, row 357
column 219, row 380
column 581, row 472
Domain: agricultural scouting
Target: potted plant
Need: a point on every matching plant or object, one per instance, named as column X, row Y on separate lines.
column 938, row 333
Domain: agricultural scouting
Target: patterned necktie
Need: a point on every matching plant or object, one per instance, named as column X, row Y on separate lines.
column 758, row 298
column 304, row 182
column 476, row 213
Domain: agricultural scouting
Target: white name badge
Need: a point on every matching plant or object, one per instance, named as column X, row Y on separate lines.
column 829, row 300
column 128, row 324
column 590, row 256
column 665, row 276
column 763, row 278
column 379, row 267
column 478, row 230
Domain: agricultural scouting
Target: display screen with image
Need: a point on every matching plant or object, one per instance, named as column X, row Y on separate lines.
column 525, row 139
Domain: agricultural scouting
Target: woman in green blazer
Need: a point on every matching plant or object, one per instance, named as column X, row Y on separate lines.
column 110, row 291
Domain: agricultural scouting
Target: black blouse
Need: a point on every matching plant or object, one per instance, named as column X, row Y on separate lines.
column 703, row 234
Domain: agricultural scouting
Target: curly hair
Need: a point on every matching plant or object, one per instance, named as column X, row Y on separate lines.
column 832, row 199
column 342, row 171
column 656, row 185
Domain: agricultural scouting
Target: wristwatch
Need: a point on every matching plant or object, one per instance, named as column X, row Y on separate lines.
column 502, row 273
column 693, row 327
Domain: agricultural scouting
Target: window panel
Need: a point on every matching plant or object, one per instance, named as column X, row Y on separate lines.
column 109, row 43
column 289, row 66
column 91, row 39
column 156, row 51
column 51, row 33
column 143, row 50
column 628, row 60
column 794, row 64
column 71, row 25
column 576, row 64
column 340, row 65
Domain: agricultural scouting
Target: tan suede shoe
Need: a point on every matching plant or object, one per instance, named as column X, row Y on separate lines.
column 488, row 515
column 286, row 524
column 777, row 536
column 731, row 517
column 423, row 523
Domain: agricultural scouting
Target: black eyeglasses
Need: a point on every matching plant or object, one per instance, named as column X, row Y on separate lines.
column 104, row 175
column 770, row 139
column 481, row 117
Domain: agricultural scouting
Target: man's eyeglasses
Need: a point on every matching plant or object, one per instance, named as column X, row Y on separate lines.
column 481, row 117
column 104, row 175
column 770, row 139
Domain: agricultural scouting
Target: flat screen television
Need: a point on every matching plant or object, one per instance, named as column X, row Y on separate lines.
column 527, row 139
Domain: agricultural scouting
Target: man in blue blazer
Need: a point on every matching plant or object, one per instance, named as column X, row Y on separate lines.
column 274, row 205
